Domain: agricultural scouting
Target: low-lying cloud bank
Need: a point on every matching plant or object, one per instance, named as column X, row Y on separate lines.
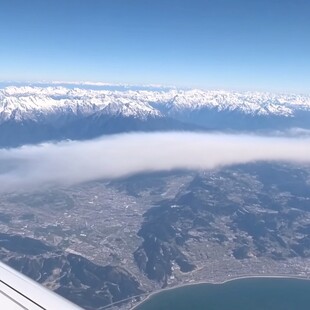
column 292, row 132
column 69, row 163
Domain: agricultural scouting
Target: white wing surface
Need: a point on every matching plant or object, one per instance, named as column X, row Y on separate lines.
column 18, row 292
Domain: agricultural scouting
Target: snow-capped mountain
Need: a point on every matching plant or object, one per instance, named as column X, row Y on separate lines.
column 58, row 112
column 30, row 102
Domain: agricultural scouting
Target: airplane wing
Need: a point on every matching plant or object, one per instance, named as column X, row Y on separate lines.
column 18, row 292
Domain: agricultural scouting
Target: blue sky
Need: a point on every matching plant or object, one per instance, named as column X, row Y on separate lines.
column 229, row 44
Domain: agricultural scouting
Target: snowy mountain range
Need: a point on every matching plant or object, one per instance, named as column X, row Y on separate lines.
column 30, row 114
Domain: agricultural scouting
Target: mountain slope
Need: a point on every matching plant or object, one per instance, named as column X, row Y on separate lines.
column 76, row 278
column 35, row 114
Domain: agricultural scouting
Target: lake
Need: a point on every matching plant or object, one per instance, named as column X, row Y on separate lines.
column 241, row 294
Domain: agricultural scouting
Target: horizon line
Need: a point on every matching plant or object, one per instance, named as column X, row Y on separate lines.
column 151, row 85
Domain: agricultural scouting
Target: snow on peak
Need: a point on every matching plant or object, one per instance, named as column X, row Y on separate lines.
column 129, row 108
column 29, row 102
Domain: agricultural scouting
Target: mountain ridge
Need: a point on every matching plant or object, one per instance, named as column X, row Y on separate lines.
column 31, row 114
column 49, row 99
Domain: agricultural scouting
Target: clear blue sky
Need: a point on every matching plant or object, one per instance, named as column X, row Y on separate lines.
column 229, row 44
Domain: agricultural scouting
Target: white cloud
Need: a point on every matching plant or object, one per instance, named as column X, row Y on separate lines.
column 68, row 163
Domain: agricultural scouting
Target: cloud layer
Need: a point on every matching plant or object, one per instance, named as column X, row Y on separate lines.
column 69, row 163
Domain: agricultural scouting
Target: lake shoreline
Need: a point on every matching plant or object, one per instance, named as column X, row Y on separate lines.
column 296, row 277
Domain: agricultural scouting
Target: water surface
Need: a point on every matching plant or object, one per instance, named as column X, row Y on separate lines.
column 241, row 294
